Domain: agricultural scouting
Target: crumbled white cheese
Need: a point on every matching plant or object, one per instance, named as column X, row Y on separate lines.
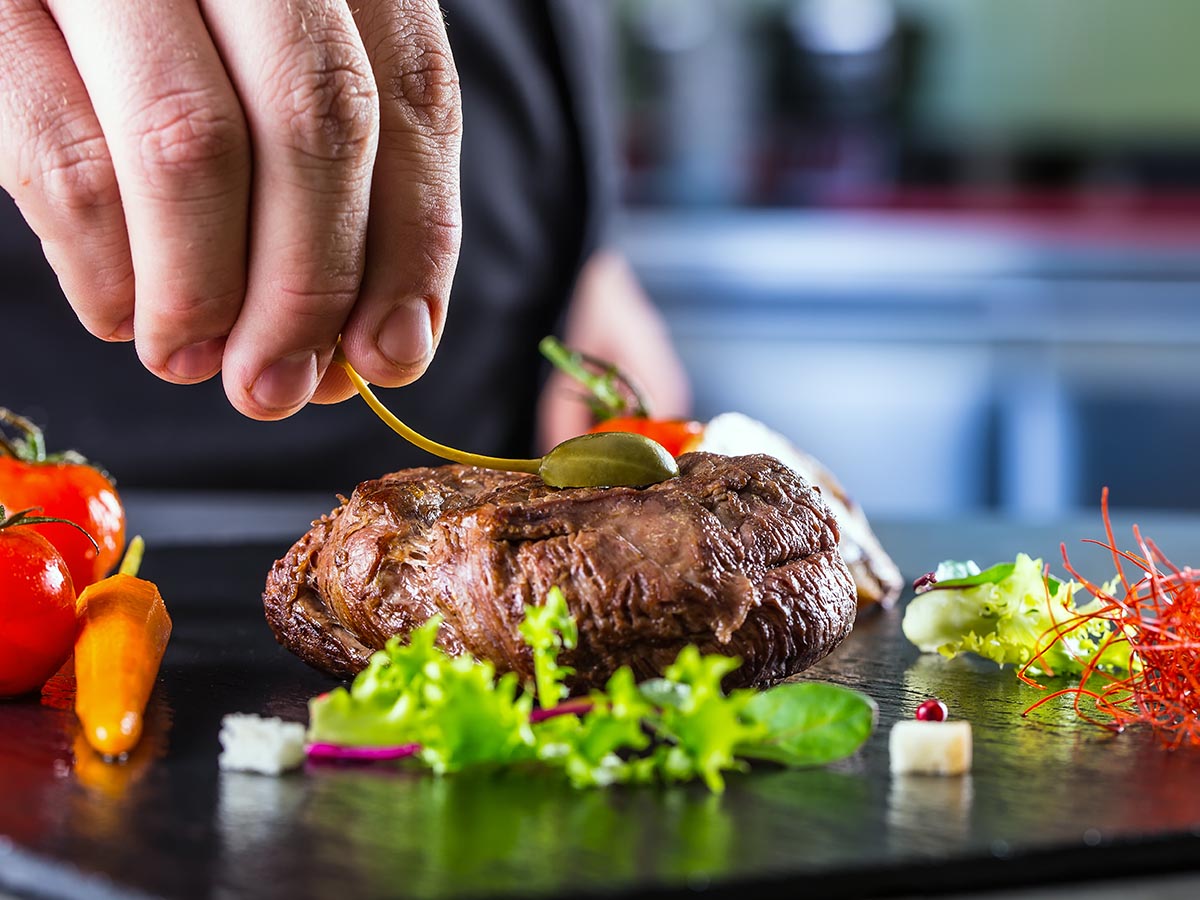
column 930, row 748
column 251, row 743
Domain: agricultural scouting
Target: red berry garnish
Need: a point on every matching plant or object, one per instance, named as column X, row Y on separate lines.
column 932, row 710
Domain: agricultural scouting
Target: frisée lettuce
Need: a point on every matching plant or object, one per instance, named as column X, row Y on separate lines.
column 415, row 700
column 1012, row 613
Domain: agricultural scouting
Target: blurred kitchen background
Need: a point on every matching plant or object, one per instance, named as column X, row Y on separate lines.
column 950, row 246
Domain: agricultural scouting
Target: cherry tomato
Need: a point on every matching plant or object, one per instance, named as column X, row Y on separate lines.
column 37, row 609
column 678, row 436
column 65, row 489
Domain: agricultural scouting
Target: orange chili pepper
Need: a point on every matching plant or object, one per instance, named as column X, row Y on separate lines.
column 123, row 633
column 678, row 436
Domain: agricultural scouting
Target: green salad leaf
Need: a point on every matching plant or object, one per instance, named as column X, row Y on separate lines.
column 662, row 692
column 703, row 730
column 680, row 727
column 454, row 707
column 547, row 629
column 808, row 724
column 960, row 571
column 953, row 574
column 1011, row 613
column 592, row 749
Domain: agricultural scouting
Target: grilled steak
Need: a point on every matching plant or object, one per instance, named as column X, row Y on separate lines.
column 875, row 575
column 737, row 555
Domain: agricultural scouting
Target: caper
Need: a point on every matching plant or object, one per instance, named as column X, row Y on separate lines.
column 607, row 459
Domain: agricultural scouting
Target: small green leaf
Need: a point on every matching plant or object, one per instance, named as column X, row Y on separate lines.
column 665, row 694
column 547, row 629
column 950, row 569
column 591, row 750
column 963, row 578
column 704, row 730
column 808, row 724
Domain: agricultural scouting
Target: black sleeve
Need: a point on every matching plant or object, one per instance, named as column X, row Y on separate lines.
column 585, row 38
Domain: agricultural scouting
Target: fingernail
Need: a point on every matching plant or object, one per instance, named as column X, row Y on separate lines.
column 198, row 360
column 123, row 332
column 287, row 382
column 406, row 336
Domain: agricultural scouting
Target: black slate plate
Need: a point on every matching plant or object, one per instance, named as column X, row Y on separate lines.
column 1049, row 799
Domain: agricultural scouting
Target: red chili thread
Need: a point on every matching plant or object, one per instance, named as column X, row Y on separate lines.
column 1158, row 616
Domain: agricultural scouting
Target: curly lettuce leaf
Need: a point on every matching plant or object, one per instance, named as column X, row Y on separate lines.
column 679, row 727
column 454, row 707
column 703, row 730
column 594, row 750
column 547, row 629
column 662, row 692
column 1011, row 613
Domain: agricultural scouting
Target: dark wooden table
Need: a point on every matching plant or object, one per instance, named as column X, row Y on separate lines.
column 1049, row 799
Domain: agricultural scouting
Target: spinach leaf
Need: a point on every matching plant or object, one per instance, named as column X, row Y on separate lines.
column 808, row 724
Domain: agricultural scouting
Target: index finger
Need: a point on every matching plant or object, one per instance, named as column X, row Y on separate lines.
column 414, row 228
column 310, row 101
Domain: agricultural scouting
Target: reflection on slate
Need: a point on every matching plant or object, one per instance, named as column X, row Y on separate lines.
column 407, row 831
column 929, row 813
column 1049, row 798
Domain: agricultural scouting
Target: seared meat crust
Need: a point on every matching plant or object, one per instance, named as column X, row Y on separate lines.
column 737, row 555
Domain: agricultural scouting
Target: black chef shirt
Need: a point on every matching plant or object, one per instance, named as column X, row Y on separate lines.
column 534, row 179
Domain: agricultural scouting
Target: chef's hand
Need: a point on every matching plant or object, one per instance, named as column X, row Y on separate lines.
column 200, row 175
column 611, row 318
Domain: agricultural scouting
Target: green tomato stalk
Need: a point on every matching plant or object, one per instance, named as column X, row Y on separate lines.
column 24, row 517
column 29, row 444
column 610, row 393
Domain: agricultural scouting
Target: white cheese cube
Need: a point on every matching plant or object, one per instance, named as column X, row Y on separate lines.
column 253, row 744
column 930, row 748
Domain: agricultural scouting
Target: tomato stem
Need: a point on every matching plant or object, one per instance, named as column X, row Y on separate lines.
column 30, row 447
column 610, row 391
column 23, row 517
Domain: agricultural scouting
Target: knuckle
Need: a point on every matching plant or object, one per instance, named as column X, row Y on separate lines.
column 330, row 106
column 421, row 75
column 440, row 243
column 190, row 134
column 79, row 176
column 114, row 280
column 181, row 308
column 314, row 307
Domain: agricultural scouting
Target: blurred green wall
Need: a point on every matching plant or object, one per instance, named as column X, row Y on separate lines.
column 1106, row 70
